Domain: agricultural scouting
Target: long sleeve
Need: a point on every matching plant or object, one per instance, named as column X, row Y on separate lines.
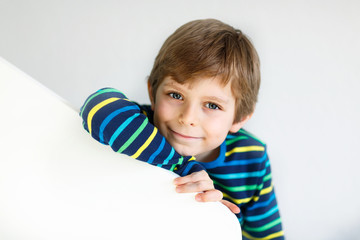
column 114, row 120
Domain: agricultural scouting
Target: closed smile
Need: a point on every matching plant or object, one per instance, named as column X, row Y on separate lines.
column 179, row 135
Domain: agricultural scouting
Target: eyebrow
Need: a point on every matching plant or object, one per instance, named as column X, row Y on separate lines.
column 173, row 84
column 219, row 100
column 178, row 87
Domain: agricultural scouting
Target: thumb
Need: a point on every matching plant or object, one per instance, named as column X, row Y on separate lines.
column 232, row 207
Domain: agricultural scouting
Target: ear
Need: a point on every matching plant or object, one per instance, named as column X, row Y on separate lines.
column 151, row 96
column 237, row 125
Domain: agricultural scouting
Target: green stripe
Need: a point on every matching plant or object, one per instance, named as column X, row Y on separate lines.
column 240, row 188
column 267, row 177
column 173, row 167
column 134, row 136
column 97, row 94
column 265, row 227
column 250, row 135
column 228, row 142
column 181, row 159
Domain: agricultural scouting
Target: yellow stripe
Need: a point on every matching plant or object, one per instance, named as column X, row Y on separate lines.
column 146, row 144
column 246, row 200
column 266, row 190
column 271, row 236
column 192, row 159
column 96, row 108
column 245, row 149
column 239, row 201
column 145, row 113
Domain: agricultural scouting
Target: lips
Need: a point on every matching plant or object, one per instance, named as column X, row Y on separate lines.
column 184, row 136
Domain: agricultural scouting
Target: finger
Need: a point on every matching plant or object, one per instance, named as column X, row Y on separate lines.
column 233, row 208
column 213, row 195
column 194, row 177
column 191, row 187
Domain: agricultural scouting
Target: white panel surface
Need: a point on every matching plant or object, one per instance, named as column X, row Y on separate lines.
column 56, row 182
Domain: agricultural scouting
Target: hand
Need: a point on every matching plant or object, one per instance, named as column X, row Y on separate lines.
column 198, row 182
column 231, row 206
column 202, row 183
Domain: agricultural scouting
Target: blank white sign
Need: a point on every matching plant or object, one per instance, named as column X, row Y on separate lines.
column 56, row 182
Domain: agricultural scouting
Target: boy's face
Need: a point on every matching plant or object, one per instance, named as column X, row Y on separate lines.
column 195, row 118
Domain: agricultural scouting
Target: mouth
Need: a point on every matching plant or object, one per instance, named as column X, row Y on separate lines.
column 183, row 136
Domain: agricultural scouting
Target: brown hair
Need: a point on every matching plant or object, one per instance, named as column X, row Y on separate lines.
column 211, row 48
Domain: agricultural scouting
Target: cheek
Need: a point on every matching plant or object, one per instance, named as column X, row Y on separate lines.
column 162, row 112
column 218, row 126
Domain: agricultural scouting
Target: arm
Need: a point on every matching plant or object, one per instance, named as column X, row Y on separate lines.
column 259, row 216
column 112, row 119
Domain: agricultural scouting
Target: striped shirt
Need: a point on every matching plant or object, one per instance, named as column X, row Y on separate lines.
column 113, row 120
column 241, row 171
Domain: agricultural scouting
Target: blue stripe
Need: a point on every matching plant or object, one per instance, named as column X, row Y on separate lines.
column 170, row 156
column 188, row 167
column 110, row 117
column 241, row 219
column 267, row 164
column 231, row 136
column 239, row 175
column 262, row 216
column 244, row 162
column 121, row 128
column 160, row 148
column 262, row 204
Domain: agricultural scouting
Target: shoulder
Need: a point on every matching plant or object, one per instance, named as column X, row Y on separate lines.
column 244, row 145
column 244, row 137
column 105, row 93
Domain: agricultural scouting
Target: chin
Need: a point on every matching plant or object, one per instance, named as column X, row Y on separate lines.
column 185, row 152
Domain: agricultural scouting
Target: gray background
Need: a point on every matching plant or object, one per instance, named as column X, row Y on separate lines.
column 308, row 111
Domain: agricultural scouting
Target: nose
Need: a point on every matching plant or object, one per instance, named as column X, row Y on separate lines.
column 189, row 115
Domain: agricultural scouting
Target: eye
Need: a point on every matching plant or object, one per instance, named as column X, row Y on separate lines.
column 175, row 95
column 212, row 106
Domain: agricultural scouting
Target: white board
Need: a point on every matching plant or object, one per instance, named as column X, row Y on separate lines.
column 56, row 182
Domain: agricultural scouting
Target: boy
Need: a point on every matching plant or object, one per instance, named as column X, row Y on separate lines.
column 203, row 88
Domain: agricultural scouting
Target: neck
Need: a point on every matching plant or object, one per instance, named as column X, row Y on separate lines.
column 208, row 156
